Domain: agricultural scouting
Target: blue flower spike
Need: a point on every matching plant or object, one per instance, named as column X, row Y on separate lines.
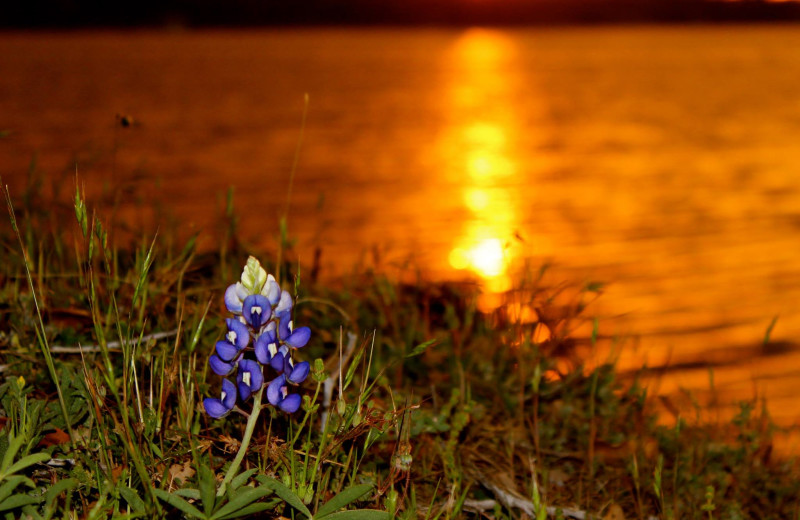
column 278, row 395
column 250, row 379
column 236, row 339
column 217, row 408
column 256, row 311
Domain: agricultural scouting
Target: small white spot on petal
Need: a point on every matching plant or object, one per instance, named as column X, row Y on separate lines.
column 291, row 326
column 255, row 309
column 273, row 349
column 246, row 378
column 231, row 336
column 224, row 395
column 284, row 391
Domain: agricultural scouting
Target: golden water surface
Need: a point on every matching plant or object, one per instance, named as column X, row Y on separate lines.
column 662, row 161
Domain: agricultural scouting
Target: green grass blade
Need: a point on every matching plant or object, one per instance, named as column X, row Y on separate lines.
column 350, row 494
column 179, row 503
column 133, row 499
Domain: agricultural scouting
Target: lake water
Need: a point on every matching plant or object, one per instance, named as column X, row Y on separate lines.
column 664, row 161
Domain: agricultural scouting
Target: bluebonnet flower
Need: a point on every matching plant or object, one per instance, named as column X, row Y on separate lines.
column 278, row 395
column 264, row 311
column 250, row 379
column 217, row 408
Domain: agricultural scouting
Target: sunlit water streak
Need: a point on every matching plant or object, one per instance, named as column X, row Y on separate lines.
column 663, row 161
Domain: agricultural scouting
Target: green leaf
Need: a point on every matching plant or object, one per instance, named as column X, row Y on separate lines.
column 252, row 509
column 285, row 493
column 360, row 514
column 58, row 488
column 350, row 494
column 133, row 499
column 11, row 484
column 244, row 498
column 178, row 503
column 419, row 349
column 16, row 501
column 30, row 460
column 241, row 479
column 14, row 444
column 192, row 493
column 208, row 488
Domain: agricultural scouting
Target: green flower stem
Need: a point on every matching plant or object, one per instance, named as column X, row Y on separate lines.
column 248, row 434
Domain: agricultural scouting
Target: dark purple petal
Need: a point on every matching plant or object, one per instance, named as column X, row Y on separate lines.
column 299, row 337
column 249, row 379
column 275, row 390
column 256, row 310
column 228, row 394
column 299, row 373
column 290, row 404
column 226, row 351
column 217, row 408
column 241, row 332
column 284, row 319
column 277, row 361
column 219, row 366
column 214, row 407
column 232, row 300
column 262, row 348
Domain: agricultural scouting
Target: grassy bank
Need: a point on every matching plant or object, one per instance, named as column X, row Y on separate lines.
column 417, row 405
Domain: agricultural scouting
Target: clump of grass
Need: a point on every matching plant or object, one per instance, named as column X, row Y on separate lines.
column 419, row 405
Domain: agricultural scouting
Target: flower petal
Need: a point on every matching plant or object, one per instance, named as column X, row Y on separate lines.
column 219, row 366
column 240, row 329
column 291, row 404
column 299, row 337
column 275, row 390
column 299, row 373
column 214, row 407
column 229, row 391
column 226, row 351
column 285, row 304
column 284, row 320
column 256, row 310
column 232, row 301
column 278, row 360
column 261, row 346
column 272, row 290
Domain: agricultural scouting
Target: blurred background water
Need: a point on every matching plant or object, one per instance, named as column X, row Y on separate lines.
column 664, row 161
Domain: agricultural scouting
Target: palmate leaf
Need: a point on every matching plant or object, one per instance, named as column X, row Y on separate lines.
column 350, row 494
column 179, row 503
column 240, row 500
column 18, row 500
column 133, row 499
column 208, row 488
column 359, row 514
column 24, row 462
column 14, row 444
column 285, row 493
column 241, row 479
column 11, row 483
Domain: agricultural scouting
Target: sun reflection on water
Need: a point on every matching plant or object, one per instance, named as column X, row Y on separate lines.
column 482, row 154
